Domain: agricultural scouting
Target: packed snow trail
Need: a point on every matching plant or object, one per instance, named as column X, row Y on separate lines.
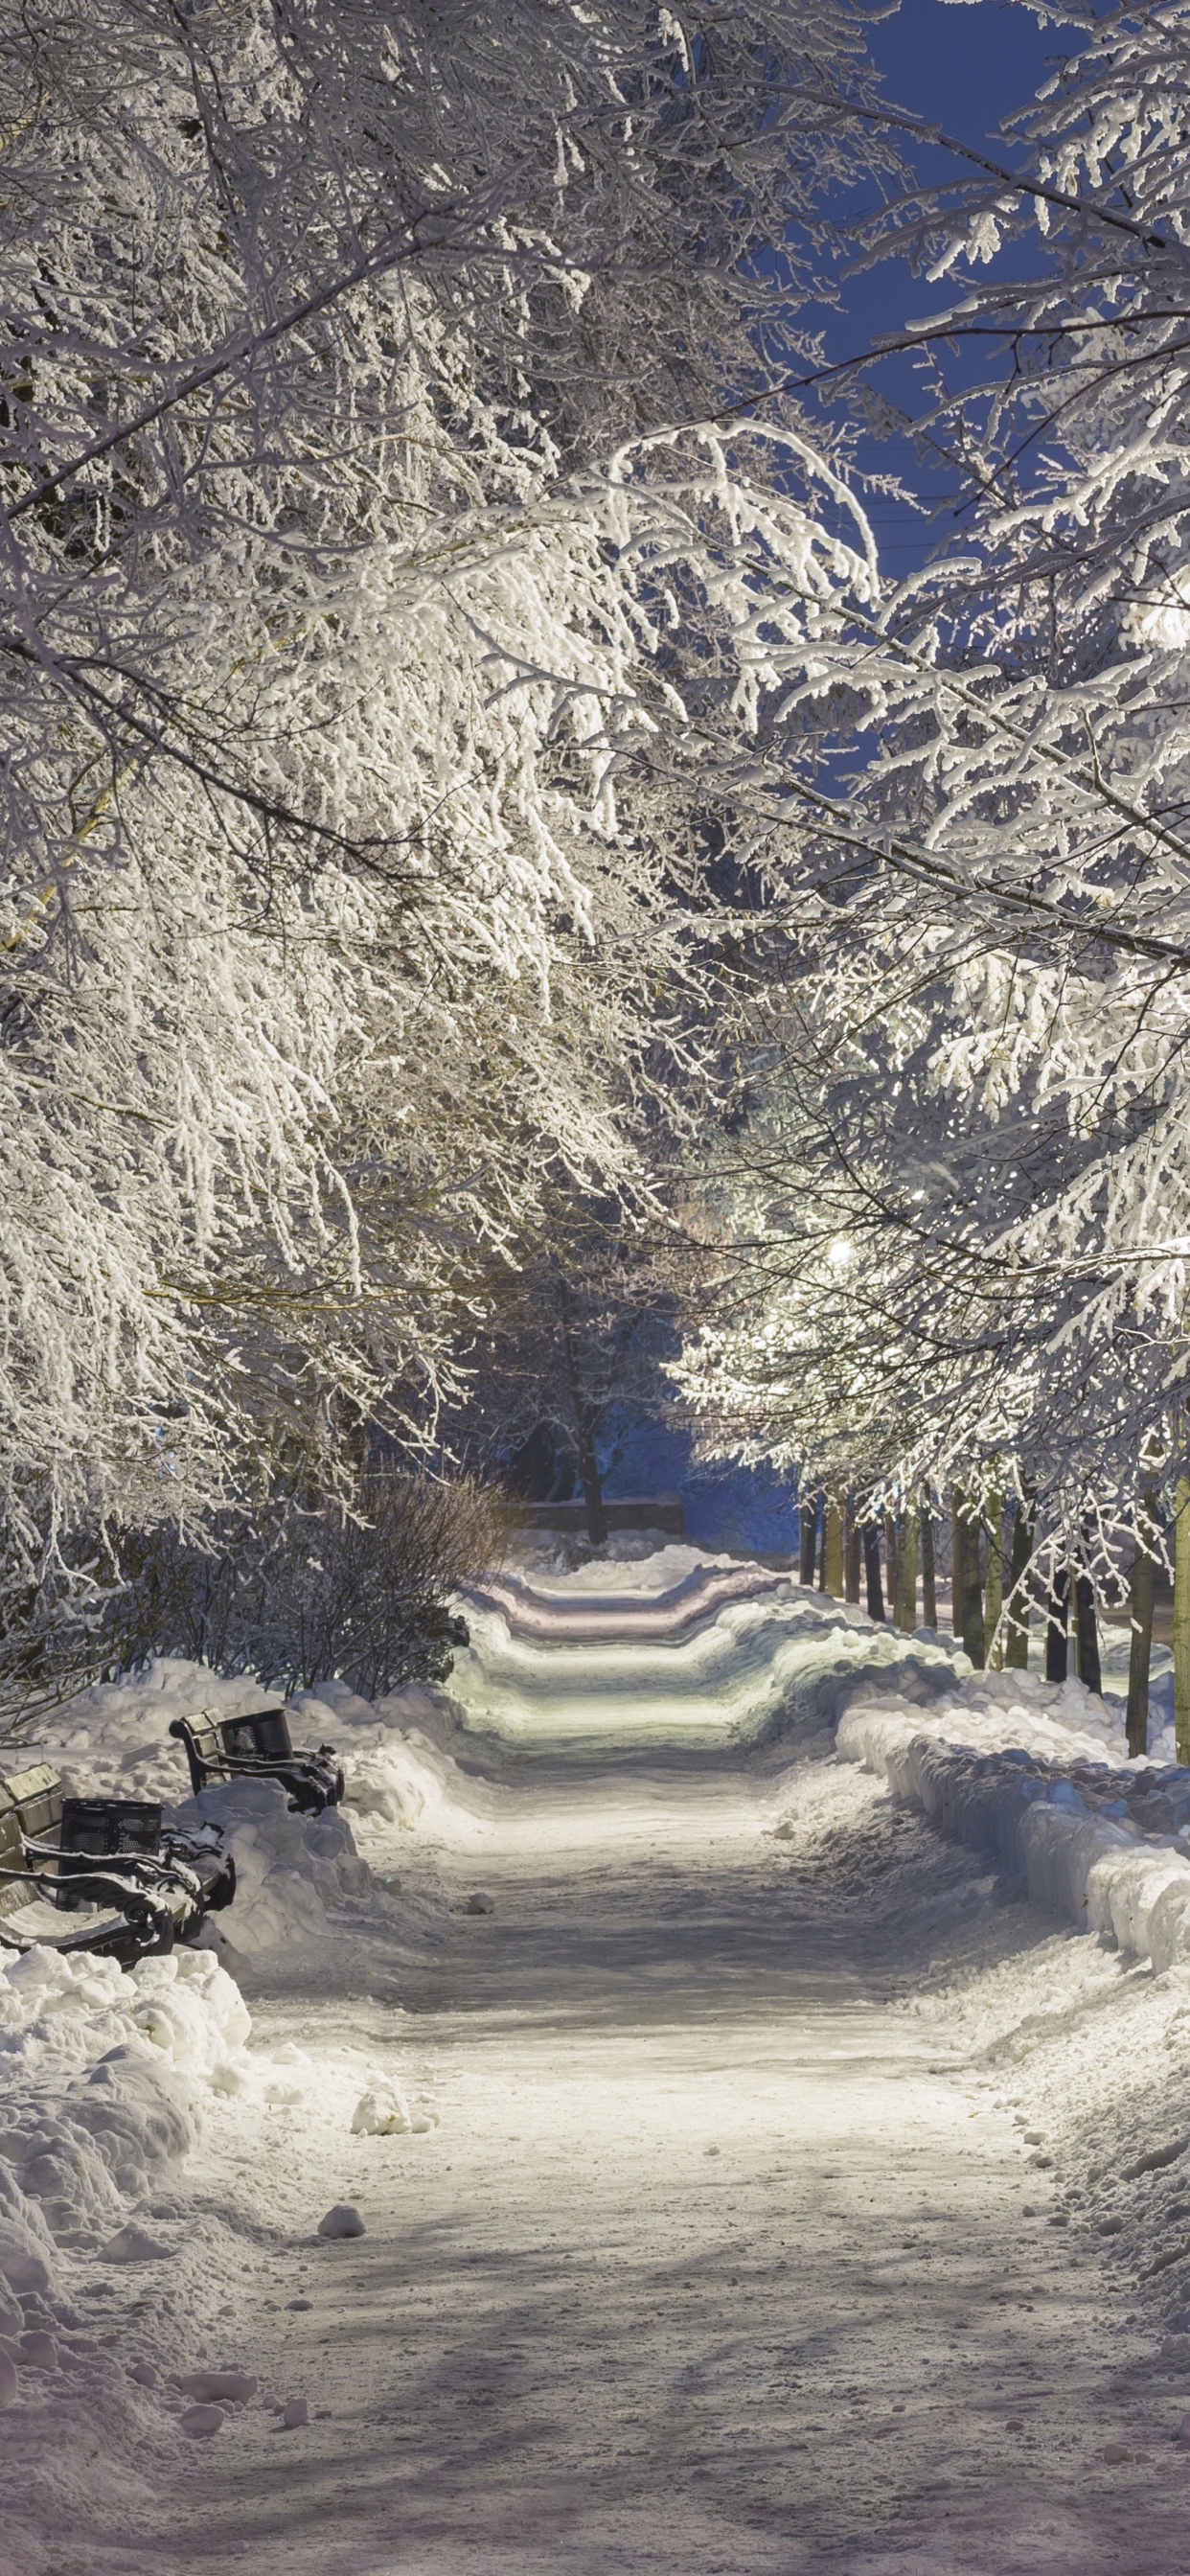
column 720, row 2258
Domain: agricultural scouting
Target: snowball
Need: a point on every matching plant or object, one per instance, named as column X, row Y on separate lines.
column 342, row 2220
column 38, row 2350
column 200, row 2421
column 229, row 2079
column 22, row 2266
column 479, row 1904
column 130, row 2244
column 226, row 2387
column 295, row 2413
column 380, row 2113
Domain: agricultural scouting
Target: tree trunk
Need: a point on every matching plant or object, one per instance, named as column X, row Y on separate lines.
column 956, row 1565
column 584, row 1429
column 929, row 1587
column 1140, row 1652
column 851, row 1550
column 905, row 1614
column 871, row 1536
column 1016, row 1621
column 832, row 1553
column 969, row 1586
column 890, row 1558
column 1181, row 1618
column 1057, row 1625
column 1086, row 1629
column 822, row 1520
column 807, row 1533
column 993, row 1596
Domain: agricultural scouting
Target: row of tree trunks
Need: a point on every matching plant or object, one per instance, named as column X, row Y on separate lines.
column 989, row 1614
column 841, row 1553
column 991, row 1611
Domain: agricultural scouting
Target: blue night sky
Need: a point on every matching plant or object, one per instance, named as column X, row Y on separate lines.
column 965, row 68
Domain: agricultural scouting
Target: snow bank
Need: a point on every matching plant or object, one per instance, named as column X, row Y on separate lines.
column 118, row 1732
column 106, row 2076
column 1039, row 1773
column 292, row 1871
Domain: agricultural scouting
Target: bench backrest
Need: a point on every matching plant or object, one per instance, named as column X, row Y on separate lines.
column 257, row 1746
column 262, row 1736
column 103, row 1828
column 30, row 1809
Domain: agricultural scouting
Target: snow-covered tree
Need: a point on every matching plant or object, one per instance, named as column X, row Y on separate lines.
column 360, row 540
column 986, row 916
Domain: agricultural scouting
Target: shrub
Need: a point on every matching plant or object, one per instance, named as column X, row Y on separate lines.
column 297, row 1595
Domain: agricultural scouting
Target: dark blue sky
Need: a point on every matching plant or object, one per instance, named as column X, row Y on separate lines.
column 965, row 68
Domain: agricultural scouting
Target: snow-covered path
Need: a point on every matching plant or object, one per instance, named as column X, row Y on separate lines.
column 720, row 2257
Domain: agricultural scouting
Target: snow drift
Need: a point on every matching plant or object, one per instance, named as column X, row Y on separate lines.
column 1038, row 1774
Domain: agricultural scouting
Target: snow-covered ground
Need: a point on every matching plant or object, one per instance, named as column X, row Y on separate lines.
column 754, row 2176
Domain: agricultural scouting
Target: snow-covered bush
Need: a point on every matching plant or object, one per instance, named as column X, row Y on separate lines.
column 293, row 1592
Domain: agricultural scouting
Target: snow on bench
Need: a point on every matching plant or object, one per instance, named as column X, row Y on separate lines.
column 128, row 1885
column 257, row 1746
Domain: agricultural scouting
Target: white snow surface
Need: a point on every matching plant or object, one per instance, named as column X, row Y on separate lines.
column 753, row 2176
column 1094, row 1836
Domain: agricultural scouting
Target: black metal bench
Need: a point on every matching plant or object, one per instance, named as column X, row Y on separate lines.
column 258, row 1747
column 130, row 1885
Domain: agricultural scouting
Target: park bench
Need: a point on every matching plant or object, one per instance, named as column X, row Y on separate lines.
column 257, row 1746
column 128, row 1885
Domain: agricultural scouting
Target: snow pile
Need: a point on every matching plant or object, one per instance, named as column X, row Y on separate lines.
column 546, row 1555
column 114, row 1740
column 631, row 1561
column 292, row 1871
column 404, row 1778
column 107, row 2080
column 107, row 2075
column 1039, row 1773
